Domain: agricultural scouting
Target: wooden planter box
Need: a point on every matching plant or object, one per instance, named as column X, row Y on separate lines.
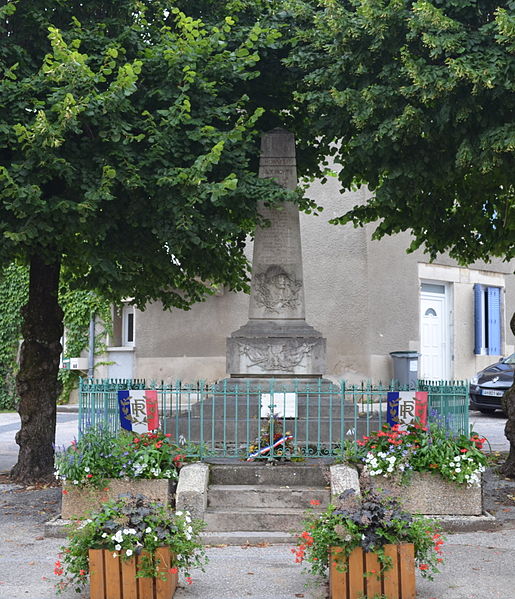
column 113, row 578
column 397, row 582
column 78, row 501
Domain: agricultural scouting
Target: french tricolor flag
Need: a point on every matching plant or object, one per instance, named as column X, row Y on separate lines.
column 407, row 407
column 138, row 410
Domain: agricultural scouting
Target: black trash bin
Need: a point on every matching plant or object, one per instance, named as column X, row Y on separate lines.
column 405, row 367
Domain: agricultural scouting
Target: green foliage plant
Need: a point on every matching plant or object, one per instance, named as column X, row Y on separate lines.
column 13, row 295
column 394, row 452
column 127, row 527
column 101, row 454
column 79, row 306
column 369, row 521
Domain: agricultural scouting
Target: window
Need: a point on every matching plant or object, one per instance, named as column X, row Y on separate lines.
column 128, row 325
column 487, row 320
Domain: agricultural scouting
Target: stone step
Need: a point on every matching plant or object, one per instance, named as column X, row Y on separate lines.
column 265, row 496
column 248, row 537
column 288, row 474
column 254, row 519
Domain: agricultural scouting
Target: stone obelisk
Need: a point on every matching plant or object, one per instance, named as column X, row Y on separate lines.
column 277, row 341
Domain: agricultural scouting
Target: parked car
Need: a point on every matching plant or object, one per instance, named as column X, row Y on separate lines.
column 489, row 385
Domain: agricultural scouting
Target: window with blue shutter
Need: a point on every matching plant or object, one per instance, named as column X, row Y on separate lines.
column 487, row 320
column 493, row 315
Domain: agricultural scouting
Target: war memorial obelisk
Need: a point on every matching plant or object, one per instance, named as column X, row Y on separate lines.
column 277, row 342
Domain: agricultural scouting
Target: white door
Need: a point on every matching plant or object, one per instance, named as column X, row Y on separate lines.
column 434, row 333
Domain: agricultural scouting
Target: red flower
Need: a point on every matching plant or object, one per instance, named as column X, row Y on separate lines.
column 173, row 570
column 314, row 502
column 135, row 440
column 463, row 450
column 89, row 476
column 189, row 580
column 423, row 567
column 82, row 572
column 168, row 435
column 65, row 492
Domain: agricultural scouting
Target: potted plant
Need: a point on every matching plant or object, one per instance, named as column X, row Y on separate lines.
column 370, row 546
column 104, row 464
column 130, row 546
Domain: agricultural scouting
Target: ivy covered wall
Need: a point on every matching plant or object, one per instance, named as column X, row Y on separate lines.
column 77, row 306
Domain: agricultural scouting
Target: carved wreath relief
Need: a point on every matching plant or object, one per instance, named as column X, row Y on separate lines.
column 276, row 290
column 283, row 356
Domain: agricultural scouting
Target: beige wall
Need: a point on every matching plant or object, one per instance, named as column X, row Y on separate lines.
column 363, row 295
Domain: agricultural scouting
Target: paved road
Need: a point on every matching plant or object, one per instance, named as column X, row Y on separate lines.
column 491, row 427
column 9, row 425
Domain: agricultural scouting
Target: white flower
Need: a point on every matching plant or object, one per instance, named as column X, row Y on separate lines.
column 118, row 547
column 132, row 531
column 178, row 513
column 148, row 529
column 86, row 469
column 115, row 554
column 118, row 537
column 125, row 531
column 104, row 535
column 128, row 553
column 458, row 469
column 75, row 482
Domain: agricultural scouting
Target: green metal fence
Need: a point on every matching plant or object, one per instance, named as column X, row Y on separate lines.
column 232, row 419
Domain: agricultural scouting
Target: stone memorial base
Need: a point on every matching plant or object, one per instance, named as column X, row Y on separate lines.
column 276, row 349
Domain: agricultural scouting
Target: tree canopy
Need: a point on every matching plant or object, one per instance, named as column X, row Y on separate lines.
column 420, row 98
column 129, row 144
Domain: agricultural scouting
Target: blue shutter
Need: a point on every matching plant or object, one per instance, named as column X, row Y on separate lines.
column 494, row 321
column 479, row 311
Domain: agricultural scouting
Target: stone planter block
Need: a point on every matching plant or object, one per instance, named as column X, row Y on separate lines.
column 114, row 578
column 343, row 477
column 431, row 495
column 78, row 501
column 397, row 582
column 192, row 489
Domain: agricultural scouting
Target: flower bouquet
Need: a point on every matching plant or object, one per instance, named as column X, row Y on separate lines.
column 374, row 531
column 273, row 442
column 128, row 540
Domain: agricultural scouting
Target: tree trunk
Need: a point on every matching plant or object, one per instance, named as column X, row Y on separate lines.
column 508, row 468
column 36, row 382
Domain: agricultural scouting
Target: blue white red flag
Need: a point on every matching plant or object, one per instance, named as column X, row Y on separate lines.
column 138, row 410
column 407, row 407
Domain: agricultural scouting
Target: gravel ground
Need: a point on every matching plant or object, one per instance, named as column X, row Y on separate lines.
column 478, row 565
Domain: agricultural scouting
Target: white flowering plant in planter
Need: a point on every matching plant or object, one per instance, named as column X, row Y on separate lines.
column 131, row 526
column 418, row 448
